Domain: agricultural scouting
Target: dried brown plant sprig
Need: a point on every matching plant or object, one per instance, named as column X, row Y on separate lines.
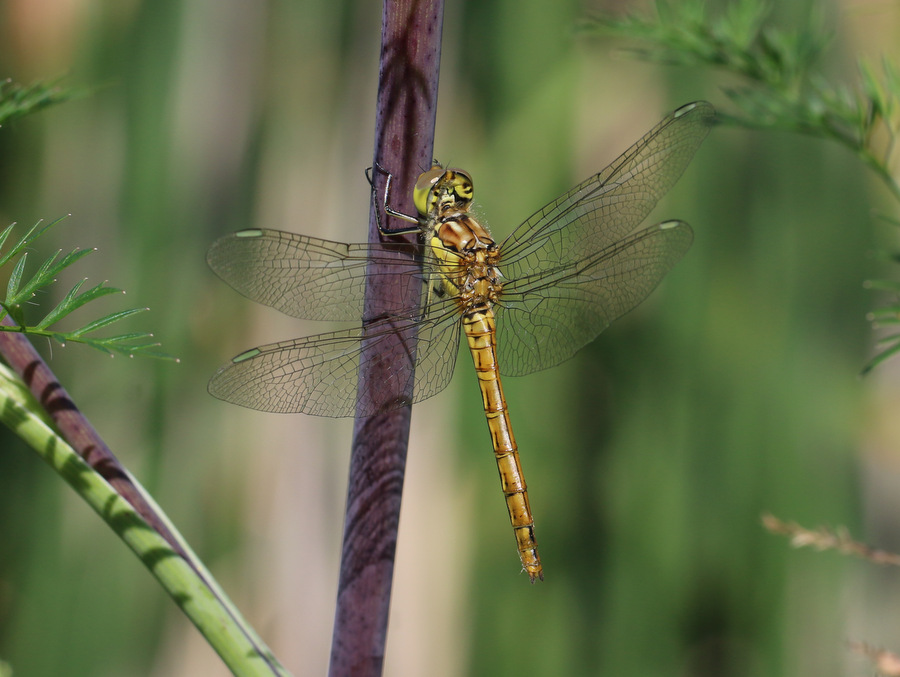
column 885, row 662
column 826, row 538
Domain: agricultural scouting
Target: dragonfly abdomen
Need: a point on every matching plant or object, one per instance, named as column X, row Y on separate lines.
column 481, row 336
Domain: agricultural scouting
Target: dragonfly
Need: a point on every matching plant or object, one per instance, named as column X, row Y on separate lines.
column 525, row 304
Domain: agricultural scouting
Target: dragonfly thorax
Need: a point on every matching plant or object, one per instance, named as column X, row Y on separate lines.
column 467, row 259
column 460, row 233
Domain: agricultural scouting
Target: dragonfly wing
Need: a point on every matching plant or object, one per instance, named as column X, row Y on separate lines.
column 306, row 277
column 319, row 375
column 609, row 205
column 546, row 317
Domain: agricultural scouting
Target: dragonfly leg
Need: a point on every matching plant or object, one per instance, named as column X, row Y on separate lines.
column 390, row 211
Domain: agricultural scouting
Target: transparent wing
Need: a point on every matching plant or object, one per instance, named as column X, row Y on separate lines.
column 609, row 205
column 575, row 265
column 306, row 277
column 319, row 375
column 545, row 318
column 571, row 268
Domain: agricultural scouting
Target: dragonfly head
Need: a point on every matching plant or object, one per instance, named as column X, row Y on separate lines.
column 439, row 188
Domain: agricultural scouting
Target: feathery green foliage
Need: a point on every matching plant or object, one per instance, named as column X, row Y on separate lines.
column 781, row 89
column 20, row 291
column 887, row 317
column 18, row 100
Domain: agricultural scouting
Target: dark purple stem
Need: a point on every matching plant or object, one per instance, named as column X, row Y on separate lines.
column 18, row 352
column 404, row 136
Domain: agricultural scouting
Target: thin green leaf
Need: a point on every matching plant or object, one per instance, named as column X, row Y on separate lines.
column 27, row 290
column 46, row 274
column 57, row 312
column 5, row 234
column 30, row 236
column 881, row 357
column 124, row 345
column 106, row 321
column 15, row 278
column 73, row 300
column 159, row 355
column 130, row 336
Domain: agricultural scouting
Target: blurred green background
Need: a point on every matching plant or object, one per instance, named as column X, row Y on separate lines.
column 731, row 392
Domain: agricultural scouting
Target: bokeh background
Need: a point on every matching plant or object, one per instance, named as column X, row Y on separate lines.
column 733, row 391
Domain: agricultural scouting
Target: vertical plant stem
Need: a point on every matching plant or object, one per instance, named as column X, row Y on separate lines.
column 404, row 137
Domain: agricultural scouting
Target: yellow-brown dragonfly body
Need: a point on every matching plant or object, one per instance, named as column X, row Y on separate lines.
column 469, row 273
column 526, row 304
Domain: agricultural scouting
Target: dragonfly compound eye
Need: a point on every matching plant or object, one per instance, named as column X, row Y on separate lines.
column 423, row 197
column 462, row 184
